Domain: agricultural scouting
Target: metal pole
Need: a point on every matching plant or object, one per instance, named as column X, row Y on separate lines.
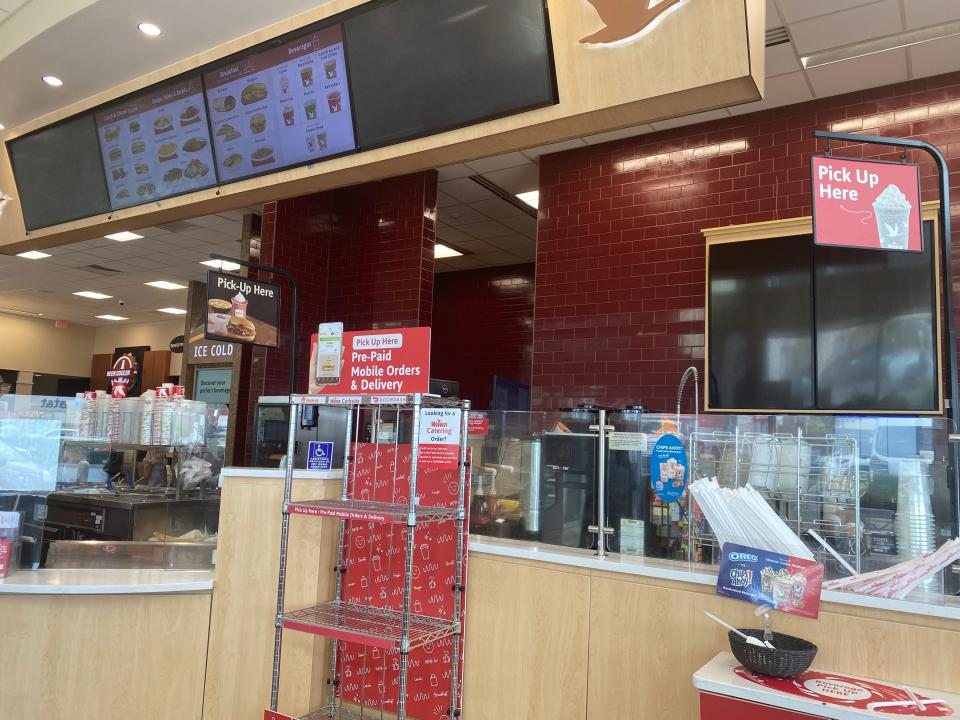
column 411, row 548
column 458, row 587
column 946, row 283
column 602, row 486
column 284, row 534
column 293, row 308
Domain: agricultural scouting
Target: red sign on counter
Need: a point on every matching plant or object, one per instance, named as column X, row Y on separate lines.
column 871, row 205
column 6, row 550
column 378, row 362
column 478, row 425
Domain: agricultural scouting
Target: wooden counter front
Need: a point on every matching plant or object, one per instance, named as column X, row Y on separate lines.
column 109, row 657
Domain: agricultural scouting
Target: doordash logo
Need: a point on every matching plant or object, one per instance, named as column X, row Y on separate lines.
column 624, row 20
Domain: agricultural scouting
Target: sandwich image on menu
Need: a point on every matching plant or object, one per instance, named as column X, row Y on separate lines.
column 156, row 145
column 284, row 106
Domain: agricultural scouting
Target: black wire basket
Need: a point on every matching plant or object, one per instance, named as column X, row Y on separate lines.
column 790, row 657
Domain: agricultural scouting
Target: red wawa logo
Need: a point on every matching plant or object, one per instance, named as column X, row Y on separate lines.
column 625, row 18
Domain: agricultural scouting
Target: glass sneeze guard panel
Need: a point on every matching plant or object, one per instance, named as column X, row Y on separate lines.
column 112, row 483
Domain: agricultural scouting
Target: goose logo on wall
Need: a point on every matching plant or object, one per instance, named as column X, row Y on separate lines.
column 625, row 19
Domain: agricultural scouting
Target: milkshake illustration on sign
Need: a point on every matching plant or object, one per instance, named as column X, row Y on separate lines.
column 893, row 218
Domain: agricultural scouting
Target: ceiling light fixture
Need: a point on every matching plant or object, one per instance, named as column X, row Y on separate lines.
column 165, row 285
column 149, row 29
column 883, row 44
column 52, row 80
column 441, row 251
column 2, row 127
column 172, row 311
column 123, row 236
column 224, row 265
column 92, row 295
column 111, row 317
column 531, row 198
column 25, row 313
column 33, row 255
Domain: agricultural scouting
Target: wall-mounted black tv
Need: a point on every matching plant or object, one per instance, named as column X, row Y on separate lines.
column 381, row 73
column 421, row 67
column 793, row 326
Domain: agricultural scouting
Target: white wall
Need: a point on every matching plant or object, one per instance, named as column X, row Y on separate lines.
column 35, row 345
column 155, row 335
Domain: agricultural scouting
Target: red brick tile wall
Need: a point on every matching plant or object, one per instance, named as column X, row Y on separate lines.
column 381, row 257
column 620, row 256
column 361, row 254
column 483, row 326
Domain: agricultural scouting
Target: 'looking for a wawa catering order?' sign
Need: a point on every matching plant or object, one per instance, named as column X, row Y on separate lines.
column 372, row 362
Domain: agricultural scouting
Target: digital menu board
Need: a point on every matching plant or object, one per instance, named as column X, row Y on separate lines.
column 156, row 145
column 281, row 107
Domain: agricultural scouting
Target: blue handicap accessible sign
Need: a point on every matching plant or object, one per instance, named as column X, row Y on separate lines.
column 320, row 456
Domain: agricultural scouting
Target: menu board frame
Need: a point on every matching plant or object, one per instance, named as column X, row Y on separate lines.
column 197, row 74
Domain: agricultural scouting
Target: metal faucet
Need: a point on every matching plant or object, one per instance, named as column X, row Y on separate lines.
column 690, row 371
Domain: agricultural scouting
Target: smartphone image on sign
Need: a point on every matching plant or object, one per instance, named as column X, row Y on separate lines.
column 329, row 353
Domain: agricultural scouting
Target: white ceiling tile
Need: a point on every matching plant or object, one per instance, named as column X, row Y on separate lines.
column 486, row 229
column 497, row 208
column 783, row 90
column 517, row 179
column 618, row 134
column 773, row 16
column 689, row 119
column 860, row 73
column 3, row 16
column 477, row 247
column 444, row 200
column 447, row 233
column 465, row 190
column 782, row 59
column 936, row 57
column 923, row 13
column 452, row 172
column 534, row 153
column 522, row 224
column 11, row 5
column 794, row 10
column 498, row 162
column 458, row 215
column 850, row 26
column 514, row 243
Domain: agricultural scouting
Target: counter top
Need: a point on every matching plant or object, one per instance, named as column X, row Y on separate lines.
column 939, row 606
column 274, row 473
column 816, row 692
column 106, row 582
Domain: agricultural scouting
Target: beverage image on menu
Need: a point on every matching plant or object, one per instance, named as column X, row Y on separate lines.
column 156, row 145
column 284, row 106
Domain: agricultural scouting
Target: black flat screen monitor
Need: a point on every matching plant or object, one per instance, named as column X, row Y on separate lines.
column 58, row 173
column 420, row 67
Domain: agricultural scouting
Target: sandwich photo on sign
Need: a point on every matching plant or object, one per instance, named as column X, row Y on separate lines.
column 241, row 310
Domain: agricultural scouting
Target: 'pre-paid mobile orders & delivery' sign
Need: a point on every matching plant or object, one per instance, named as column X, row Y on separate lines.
column 868, row 205
column 376, row 362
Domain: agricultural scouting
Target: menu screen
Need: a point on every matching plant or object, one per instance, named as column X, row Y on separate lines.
column 281, row 107
column 156, row 145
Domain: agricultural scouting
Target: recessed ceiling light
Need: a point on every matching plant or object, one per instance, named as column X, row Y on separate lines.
column 111, row 317
column 149, row 29
column 165, row 285
column 444, row 251
column 93, row 295
column 52, row 80
column 224, row 265
column 531, row 198
column 2, row 127
column 33, row 255
column 172, row 311
column 26, row 313
column 123, row 236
